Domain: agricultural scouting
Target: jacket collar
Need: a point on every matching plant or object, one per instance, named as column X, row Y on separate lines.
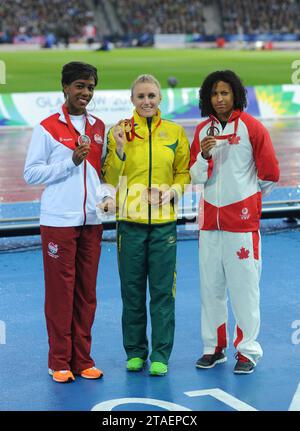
column 62, row 118
column 142, row 121
column 233, row 116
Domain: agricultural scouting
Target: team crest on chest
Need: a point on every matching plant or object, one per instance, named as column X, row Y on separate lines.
column 98, row 139
column 234, row 140
column 163, row 135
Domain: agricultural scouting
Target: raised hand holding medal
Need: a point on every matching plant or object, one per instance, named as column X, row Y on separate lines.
column 120, row 137
column 82, row 149
column 80, row 153
column 207, row 144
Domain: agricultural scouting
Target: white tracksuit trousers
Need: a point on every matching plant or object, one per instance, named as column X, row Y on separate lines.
column 230, row 260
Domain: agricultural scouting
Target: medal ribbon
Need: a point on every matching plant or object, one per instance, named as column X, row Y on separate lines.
column 94, row 156
column 231, row 137
column 132, row 133
column 71, row 128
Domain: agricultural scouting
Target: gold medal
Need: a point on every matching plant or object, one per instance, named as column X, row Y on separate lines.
column 127, row 126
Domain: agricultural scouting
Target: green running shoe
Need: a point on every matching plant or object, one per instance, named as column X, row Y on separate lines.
column 135, row 364
column 158, row 369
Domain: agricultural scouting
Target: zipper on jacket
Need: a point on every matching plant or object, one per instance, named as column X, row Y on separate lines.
column 85, row 193
column 218, row 221
column 219, row 190
column 219, row 184
column 149, row 122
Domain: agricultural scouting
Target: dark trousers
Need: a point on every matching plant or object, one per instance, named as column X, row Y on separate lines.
column 71, row 256
column 147, row 252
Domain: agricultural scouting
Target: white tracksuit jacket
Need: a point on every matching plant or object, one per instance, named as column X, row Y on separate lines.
column 242, row 168
column 71, row 192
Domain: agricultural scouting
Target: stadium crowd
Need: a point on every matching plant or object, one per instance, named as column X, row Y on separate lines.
column 23, row 19
column 161, row 16
column 262, row 17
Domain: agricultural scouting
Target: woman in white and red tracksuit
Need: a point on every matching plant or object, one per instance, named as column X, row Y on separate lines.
column 65, row 155
column 233, row 157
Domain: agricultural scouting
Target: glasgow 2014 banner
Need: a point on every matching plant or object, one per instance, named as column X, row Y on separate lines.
column 28, row 109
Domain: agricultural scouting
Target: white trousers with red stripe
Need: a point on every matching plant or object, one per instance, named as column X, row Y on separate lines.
column 230, row 261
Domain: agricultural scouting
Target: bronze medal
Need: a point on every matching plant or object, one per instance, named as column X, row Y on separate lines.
column 212, row 131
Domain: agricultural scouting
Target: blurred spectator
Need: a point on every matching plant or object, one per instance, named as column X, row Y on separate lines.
column 62, row 33
column 89, row 32
column 220, row 42
column 50, row 40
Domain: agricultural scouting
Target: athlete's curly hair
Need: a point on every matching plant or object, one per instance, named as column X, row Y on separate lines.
column 228, row 76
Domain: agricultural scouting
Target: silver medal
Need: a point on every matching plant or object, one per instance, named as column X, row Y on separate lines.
column 83, row 140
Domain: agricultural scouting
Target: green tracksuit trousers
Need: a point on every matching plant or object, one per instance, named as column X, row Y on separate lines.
column 147, row 252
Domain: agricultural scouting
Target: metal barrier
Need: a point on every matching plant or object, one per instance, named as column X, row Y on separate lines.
column 23, row 226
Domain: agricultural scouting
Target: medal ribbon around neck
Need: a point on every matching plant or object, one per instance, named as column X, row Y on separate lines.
column 81, row 139
column 232, row 137
column 130, row 133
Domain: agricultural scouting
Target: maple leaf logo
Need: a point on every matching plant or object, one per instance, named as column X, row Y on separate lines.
column 233, row 140
column 243, row 253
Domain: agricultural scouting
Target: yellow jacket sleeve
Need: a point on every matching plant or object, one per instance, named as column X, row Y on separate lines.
column 112, row 166
column 181, row 164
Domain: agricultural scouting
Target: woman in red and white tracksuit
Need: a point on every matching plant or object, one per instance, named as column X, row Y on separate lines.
column 233, row 157
column 65, row 155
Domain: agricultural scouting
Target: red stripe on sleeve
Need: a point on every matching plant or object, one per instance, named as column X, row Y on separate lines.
column 263, row 150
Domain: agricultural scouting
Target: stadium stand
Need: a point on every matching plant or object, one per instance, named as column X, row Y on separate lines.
column 262, row 17
column 164, row 16
column 22, row 20
column 122, row 21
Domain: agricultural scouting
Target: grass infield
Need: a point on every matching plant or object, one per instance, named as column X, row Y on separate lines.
column 40, row 70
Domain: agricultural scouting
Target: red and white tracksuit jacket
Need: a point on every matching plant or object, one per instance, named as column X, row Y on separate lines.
column 242, row 168
column 71, row 233
column 71, row 192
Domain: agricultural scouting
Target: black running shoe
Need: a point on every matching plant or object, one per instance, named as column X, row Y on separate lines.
column 243, row 365
column 209, row 361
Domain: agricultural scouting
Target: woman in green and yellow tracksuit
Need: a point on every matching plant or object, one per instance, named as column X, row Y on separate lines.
column 147, row 160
